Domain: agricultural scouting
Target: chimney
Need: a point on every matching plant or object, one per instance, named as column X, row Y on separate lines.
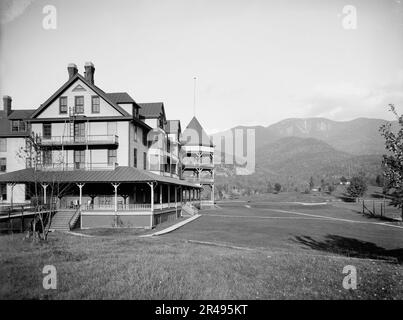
column 7, row 105
column 72, row 69
column 89, row 72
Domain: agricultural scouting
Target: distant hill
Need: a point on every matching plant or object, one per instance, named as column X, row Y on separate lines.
column 293, row 150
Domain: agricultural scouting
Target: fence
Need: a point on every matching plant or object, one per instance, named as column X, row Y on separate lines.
column 374, row 208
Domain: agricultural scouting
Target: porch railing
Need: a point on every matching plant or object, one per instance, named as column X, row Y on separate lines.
column 160, row 206
column 120, row 207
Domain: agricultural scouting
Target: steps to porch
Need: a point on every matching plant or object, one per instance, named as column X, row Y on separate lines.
column 62, row 220
column 189, row 209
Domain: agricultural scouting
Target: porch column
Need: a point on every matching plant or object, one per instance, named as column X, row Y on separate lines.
column 12, row 185
column 176, row 199
column 151, row 184
column 115, row 186
column 161, row 196
column 44, row 186
column 80, row 186
column 212, row 193
column 169, row 195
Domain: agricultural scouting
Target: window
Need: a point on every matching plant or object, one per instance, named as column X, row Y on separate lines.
column 79, row 131
column 144, row 137
column 135, row 133
column 145, row 161
column 63, row 105
column 47, row 157
column 135, row 158
column 79, row 104
column 79, row 159
column 112, row 159
column 3, row 164
column 18, row 126
column 3, row 191
column 3, row 145
column 95, row 104
column 168, row 145
column 154, row 162
column 47, row 130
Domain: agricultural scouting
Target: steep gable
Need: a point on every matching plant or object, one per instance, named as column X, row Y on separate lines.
column 78, row 86
column 194, row 135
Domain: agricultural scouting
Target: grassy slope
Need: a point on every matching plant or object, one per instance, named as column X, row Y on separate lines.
column 168, row 268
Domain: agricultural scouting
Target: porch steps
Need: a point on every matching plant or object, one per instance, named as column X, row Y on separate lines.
column 189, row 209
column 61, row 219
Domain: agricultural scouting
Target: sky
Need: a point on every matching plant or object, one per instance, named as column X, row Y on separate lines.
column 256, row 62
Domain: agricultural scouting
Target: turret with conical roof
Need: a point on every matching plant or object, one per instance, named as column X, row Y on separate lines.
column 198, row 160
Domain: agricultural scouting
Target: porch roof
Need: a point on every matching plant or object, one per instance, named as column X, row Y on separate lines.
column 118, row 175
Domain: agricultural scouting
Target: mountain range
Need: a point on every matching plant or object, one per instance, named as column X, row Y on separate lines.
column 296, row 149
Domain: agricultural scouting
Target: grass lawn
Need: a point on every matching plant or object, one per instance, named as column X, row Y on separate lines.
column 277, row 258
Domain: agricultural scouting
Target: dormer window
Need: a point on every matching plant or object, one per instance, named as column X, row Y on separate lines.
column 18, row 126
column 63, row 105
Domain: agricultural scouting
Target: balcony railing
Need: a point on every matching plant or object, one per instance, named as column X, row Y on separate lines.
column 199, row 179
column 89, row 139
column 77, row 166
column 194, row 163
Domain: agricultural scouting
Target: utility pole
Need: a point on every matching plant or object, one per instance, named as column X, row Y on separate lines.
column 194, row 96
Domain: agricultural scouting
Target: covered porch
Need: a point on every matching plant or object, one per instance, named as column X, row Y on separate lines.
column 124, row 197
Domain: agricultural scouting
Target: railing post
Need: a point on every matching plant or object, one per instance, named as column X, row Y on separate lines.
column 22, row 218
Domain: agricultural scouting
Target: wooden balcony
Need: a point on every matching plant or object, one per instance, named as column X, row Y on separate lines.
column 89, row 140
column 199, row 180
column 187, row 163
column 77, row 166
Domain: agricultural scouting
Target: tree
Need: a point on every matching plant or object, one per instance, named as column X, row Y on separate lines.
column 393, row 161
column 330, row 188
column 40, row 225
column 277, row 187
column 379, row 180
column 311, row 183
column 322, row 185
column 269, row 187
column 357, row 187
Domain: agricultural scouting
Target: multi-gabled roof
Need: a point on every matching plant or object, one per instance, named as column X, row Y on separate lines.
column 21, row 114
column 120, row 97
column 64, row 87
column 6, row 122
column 152, row 110
column 194, row 135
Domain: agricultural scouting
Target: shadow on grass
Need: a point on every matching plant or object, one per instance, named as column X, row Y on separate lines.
column 351, row 247
column 345, row 197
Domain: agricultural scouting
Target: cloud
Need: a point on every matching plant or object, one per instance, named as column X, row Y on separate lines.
column 12, row 9
column 344, row 101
